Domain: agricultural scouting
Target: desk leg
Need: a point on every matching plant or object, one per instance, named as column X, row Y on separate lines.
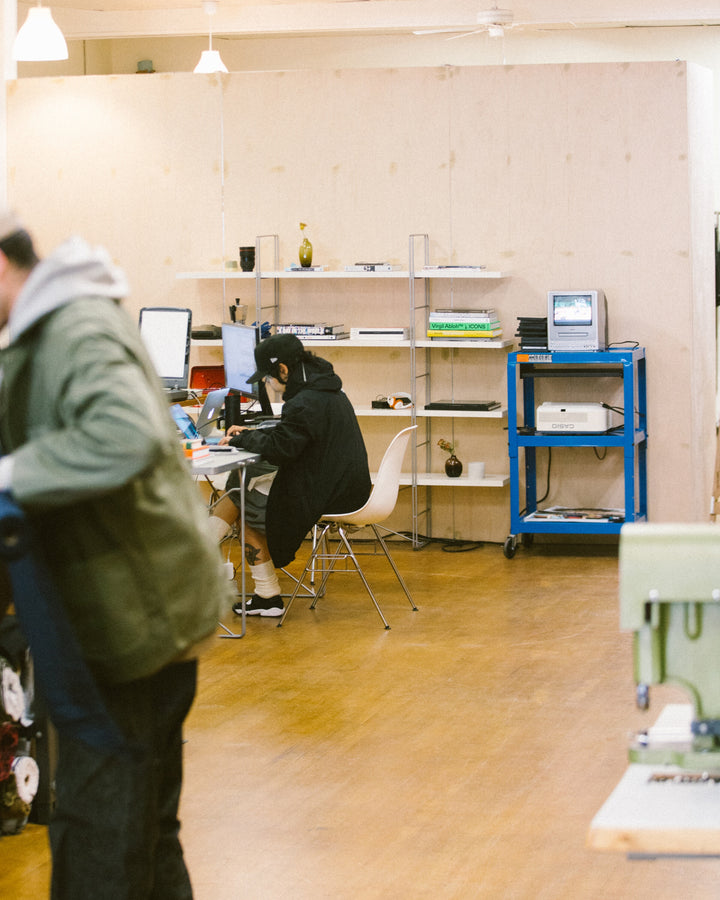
column 243, row 595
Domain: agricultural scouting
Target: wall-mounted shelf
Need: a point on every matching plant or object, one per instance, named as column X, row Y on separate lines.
column 468, row 344
column 438, row 479
column 433, row 413
column 227, row 273
column 458, row 272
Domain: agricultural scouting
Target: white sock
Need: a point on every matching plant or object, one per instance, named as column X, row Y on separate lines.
column 266, row 580
column 218, row 528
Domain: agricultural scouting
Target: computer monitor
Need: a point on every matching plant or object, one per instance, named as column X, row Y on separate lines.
column 166, row 333
column 239, row 360
column 238, row 343
column 577, row 320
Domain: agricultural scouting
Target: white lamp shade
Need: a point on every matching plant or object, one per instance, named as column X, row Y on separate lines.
column 210, row 62
column 39, row 39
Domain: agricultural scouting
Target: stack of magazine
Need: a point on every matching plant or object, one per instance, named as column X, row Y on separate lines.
column 319, row 331
column 477, row 324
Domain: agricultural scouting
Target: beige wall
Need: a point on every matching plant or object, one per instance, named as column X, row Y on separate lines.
column 697, row 44
column 593, row 175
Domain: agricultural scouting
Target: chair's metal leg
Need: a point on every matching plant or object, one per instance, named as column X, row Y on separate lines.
column 308, row 591
column 394, row 567
column 321, row 551
column 315, row 545
column 350, row 553
column 299, row 582
column 324, row 553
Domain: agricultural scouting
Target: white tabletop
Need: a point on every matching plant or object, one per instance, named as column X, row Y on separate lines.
column 224, row 461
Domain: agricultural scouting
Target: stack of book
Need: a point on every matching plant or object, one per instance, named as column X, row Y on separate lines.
column 532, row 332
column 479, row 324
column 372, row 267
column 194, row 448
column 319, row 331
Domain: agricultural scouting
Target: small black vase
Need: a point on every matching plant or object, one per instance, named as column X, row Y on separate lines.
column 247, row 258
column 453, row 467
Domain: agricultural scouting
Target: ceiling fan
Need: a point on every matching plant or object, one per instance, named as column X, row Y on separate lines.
column 493, row 21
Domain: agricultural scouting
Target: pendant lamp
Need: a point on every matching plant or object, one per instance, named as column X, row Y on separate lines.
column 210, row 59
column 39, row 39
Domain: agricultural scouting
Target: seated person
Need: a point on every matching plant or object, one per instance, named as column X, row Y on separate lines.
column 315, row 463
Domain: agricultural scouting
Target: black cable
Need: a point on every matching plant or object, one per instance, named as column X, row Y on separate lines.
column 461, row 546
column 449, row 545
column 547, row 484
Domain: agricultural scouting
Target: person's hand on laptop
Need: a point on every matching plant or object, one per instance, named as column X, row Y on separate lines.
column 231, row 432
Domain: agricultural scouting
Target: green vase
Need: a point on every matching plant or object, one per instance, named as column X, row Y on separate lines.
column 305, row 253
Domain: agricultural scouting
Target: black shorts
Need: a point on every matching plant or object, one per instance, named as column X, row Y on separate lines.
column 255, row 501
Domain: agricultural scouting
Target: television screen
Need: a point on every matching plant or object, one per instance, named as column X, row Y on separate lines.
column 166, row 334
column 572, row 309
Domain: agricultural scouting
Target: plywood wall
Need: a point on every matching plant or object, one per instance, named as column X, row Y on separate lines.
column 563, row 176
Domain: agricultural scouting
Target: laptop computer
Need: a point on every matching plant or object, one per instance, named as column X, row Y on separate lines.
column 211, row 411
column 187, row 427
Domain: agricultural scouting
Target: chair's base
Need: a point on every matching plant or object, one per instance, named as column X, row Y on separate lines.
column 328, row 560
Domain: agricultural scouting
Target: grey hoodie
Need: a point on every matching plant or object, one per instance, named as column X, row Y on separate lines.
column 74, row 269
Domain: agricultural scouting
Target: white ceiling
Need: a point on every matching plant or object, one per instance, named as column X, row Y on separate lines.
column 94, row 19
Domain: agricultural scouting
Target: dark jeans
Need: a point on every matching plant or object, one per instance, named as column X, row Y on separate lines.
column 114, row 834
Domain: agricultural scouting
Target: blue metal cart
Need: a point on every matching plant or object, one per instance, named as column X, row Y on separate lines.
column 524, row 367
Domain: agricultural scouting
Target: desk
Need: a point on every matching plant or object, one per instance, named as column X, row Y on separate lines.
column 215, row 464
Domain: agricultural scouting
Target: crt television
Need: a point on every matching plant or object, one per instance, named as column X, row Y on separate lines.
column 577, row 320
column 239, row 361
column 166, row 334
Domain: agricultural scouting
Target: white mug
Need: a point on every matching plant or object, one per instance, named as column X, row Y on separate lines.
column 476, row 470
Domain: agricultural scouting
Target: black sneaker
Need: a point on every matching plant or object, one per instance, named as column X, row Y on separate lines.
column 260, row 606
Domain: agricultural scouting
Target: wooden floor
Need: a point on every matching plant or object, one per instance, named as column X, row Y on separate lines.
column 462, row 754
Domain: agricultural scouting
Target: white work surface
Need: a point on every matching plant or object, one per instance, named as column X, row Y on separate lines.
column 654, row 818
column 224, row 461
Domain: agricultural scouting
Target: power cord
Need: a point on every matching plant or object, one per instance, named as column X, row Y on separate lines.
column 448, row 545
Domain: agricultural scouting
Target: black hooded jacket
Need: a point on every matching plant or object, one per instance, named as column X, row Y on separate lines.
column 320, row 454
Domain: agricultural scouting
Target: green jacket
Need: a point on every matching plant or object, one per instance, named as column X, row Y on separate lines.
column 98, row 469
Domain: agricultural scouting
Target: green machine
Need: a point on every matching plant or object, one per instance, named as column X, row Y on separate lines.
column 670, row 599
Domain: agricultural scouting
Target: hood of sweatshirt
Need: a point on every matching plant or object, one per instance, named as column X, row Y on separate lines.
column 75, row 269
column 312, row 373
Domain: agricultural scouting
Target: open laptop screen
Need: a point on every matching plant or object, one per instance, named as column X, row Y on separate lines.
column 184, row 423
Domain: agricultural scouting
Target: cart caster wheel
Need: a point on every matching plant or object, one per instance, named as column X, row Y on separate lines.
column 527, row 538
column 510, row 546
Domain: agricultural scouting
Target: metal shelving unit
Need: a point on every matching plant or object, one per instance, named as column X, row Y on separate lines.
column 419, row 348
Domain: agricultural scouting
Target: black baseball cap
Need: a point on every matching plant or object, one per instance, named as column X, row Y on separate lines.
column 280, row 348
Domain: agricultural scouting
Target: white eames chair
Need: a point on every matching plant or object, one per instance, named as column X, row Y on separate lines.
column 379, row 506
